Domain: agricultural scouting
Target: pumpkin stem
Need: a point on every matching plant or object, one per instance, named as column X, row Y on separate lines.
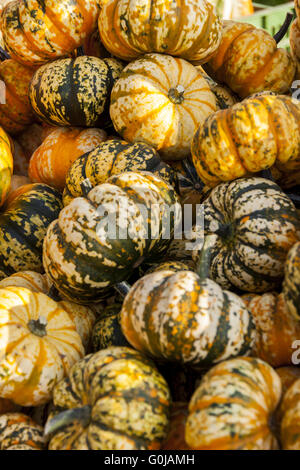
column 3, row 54
column 176, row 94
column 67, row 417
column 38, row 327
column 122, row 288
column 283, row 30
column 86, row 186
column 203, row 266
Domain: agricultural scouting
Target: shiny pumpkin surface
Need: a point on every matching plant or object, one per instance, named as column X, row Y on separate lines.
column 39, row 343
column 249, row 137
column 231, row 408
column 125, row 399
column 36, row 32
column 189, row 29
column 51, row 161
column 111, row 158
column 19, row 432
column 85, row 251
column 291, row 282
column 107, row 331
column 6, row 165
column 178, row 317
column 248, row 61
column 74, row 92
column 15, row 113
column 255, row 224
column 290, row 423
column 23, row 225
column 161, row 100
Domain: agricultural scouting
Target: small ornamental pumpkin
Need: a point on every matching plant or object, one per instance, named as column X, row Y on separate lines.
column 291, row 290
column 51, row 161
column 19, row 432
column 92, row 46
column 39, row 344
column 23, row 225
column 35, row 32
column 31, row 280
column 248, row 61
column 233, row 406
column 6, row 165
column 74, row 92
column 15, row 110
column 185, row 317
column 290, row 422
column 111, row 158
column 255, row 224
column 114, row 399
column 99, row 239
column 249, row 137
column 161, row 100
column 107, row 331
column 288, row 376
column 224, row 96
column 189, row 29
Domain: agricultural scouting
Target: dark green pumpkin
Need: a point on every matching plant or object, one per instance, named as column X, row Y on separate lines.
column 113, row 157
column 23, row 225
column 107, row 331
column 74, row 92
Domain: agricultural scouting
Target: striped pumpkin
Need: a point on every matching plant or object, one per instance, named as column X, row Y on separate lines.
column 255, row 224
column 6, row 165
column 291, row 284
column 224, row 96
column 112, row 240
column 37, row 32
column 107, row 331
column 39, row 344
column 74, row 92
column 248, row 61
column 233, row 406
column 15, row 111
column 186, row 318
column 161, row 100
column 19, row 432
column 111, row 158
column 23, row 225
column 51, row 161
column 290, row 413
column 114, row 399
column 189, row 29
column 252, row 136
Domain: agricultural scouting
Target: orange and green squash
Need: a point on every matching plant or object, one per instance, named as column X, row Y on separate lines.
column 19, row 432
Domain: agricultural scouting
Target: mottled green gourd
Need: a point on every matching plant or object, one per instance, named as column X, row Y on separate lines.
column 107, row 331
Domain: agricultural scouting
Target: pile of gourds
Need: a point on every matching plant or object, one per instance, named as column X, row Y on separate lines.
column 110, row 108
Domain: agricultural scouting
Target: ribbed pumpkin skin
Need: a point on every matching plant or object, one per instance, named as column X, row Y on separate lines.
column 248, row 61
column 51, row 161
column 19, row 432
column 6, row 165
column 161, row 100
column 111, row 158
column 224, row 96
column 230, row 410
column 189, row 29
column 81, row 266
column 34, row 357
column 276, row 329
column 36, row 32
column 15, row 113
column 291, row 290
column 178, row 317
column 107, row 331
column 255, row 225
column 288, row 376
column 23, row 226
column 290, row 412
column 129, row 403
column 31, row 280
column 251, row 136
column 74, row 92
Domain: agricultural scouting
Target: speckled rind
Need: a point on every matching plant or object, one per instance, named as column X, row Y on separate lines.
column 290, row 422
column 291, row 284
column 107, row 331
column 19, row 432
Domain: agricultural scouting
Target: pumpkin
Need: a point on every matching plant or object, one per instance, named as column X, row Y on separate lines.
column 189, row 29
column 19, row 432
column 255, row 224
column 31, row 280
column 291, row 282
column 74, row 92
column 288, row 376
column 160, row 100
column 92, row 46
column 186, row 318
column 290, row 422
column 51, row 161
column 39, row 344
column 233, row 406
column 107, row 331
column 248, row 61
column 114, row 399
column 15, row 110
column 111, row 158
column 6, row 165
column 249, row 137
column 35, row 33
column 176, row 437
column 114, row 224
column 23, row 225
column 224, row 96
column 229, row 9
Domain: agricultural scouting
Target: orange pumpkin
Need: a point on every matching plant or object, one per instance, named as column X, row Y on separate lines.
column 290, row 422
column 19, row 432
column 6, row 164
